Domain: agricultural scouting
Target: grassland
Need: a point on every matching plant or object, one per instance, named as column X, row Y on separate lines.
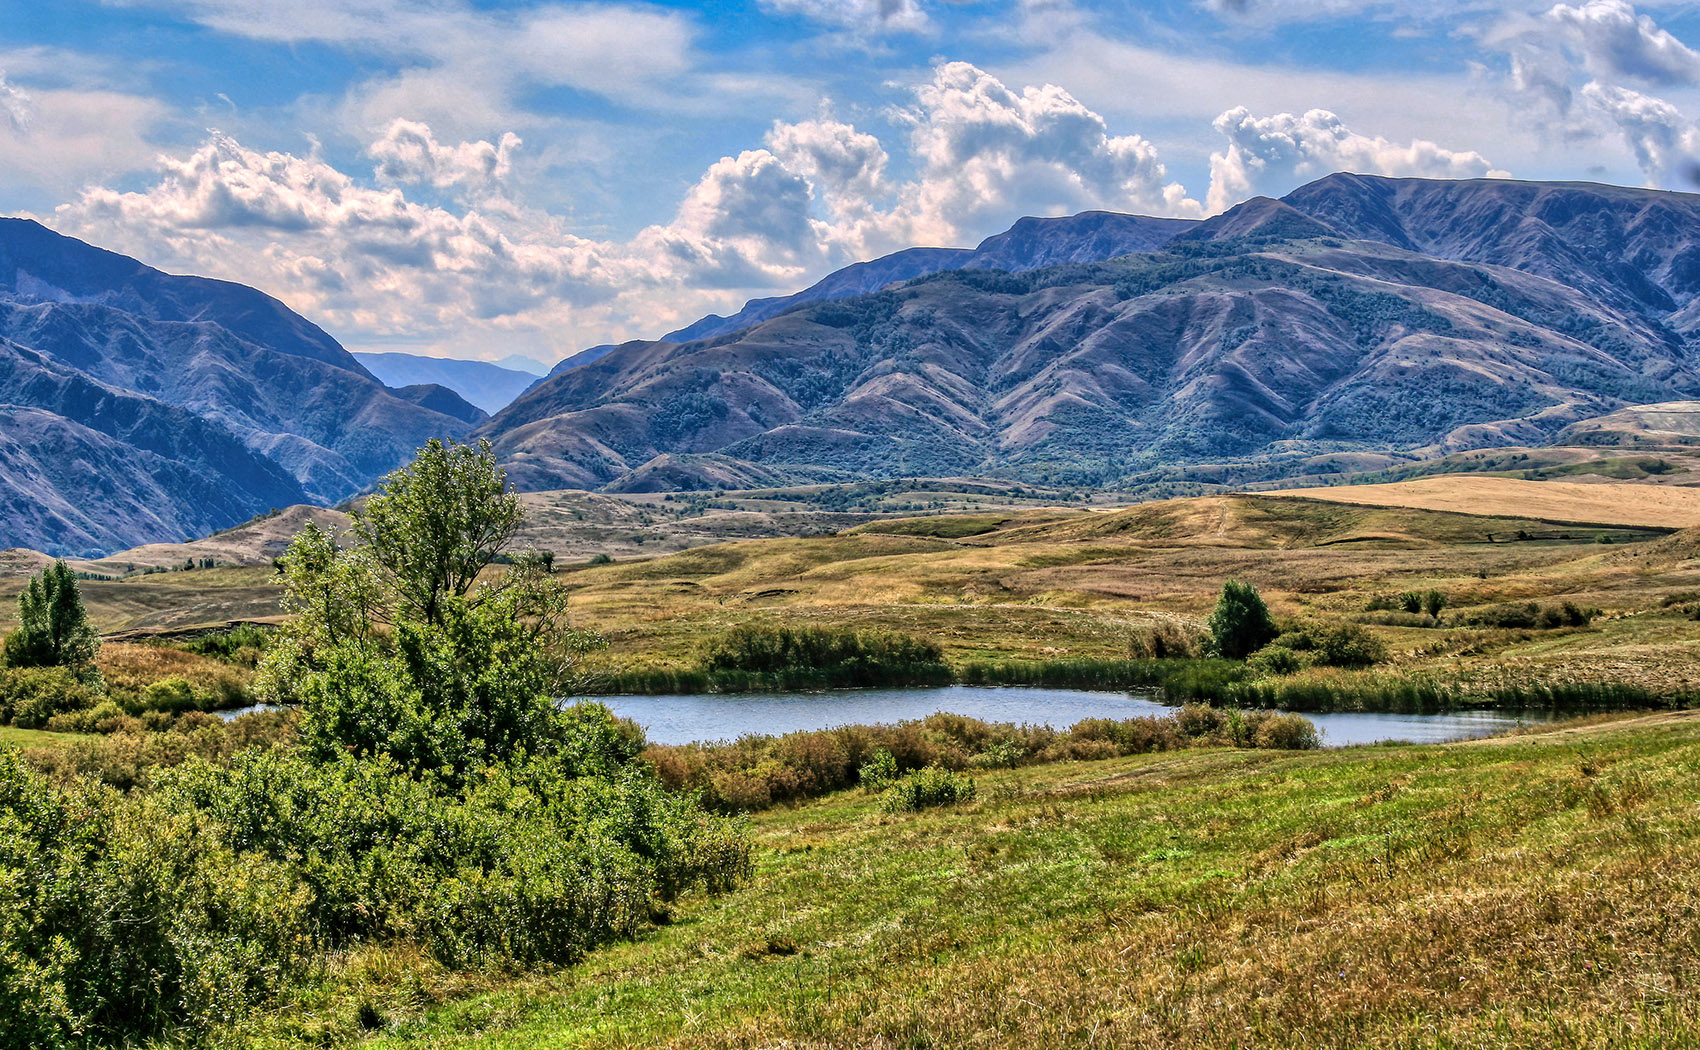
column 1670, row 506
column 1070, row 583
column 1530, row 891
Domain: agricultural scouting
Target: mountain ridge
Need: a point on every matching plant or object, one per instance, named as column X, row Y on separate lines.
column 1309, row 324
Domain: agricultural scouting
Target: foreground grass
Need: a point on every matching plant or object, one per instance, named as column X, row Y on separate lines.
column 1541, row 890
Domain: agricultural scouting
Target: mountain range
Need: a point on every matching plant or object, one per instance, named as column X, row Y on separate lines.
column 1356, row 313
column 491, row 387
column 144, row 406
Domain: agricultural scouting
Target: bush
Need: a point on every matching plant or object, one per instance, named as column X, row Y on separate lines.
column 1335, row 644
column 1240, row 624
column 1286, row 732
column 932, row 786
column 1529, row 616
column 879, row 771
column 1275, row 660
column 1164, row 641
column 820, row 656
column 32, row 696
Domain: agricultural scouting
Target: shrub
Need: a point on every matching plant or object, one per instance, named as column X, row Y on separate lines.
column 1286, row 732
column 1275, row 660
column 879, row 771
column 32, row 696
column 823, row 656
column 1240, row 624
column 932, row 786
column 1164, row 641
column 1529, row 616
column 1335, row 644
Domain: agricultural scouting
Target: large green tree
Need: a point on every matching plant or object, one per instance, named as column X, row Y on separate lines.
column 53, row 628
column 414, row 644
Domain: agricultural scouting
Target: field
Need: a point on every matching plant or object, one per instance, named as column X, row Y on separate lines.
column 1529, row 891
column 1670, row 506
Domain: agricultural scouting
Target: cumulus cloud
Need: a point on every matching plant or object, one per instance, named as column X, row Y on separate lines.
column 1614, row 41
column 986, row 150
column 409, row 153
column 1271, row 154
column 1655, row 131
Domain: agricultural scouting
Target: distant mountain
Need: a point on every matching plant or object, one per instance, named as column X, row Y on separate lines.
column 520, row 363
column 193, row 403
column 490, row 387
column 1355, row 314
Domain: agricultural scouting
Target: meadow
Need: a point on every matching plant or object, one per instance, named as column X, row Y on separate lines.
column 1527, row 891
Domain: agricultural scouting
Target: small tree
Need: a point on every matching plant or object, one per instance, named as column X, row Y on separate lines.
column 53, row 629
column 398, row 649
column 1241, row 624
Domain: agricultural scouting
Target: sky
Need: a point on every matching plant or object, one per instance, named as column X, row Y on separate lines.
column 479, row 178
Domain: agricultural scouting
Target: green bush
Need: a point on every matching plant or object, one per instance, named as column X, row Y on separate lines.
column 31, row 696
column 878, row 772
column 1285, row 732
column 1275, row 659
column 932, row 786
column 1240, row 624
column 1528, row 616
column 1335, row 644
column 821, row 656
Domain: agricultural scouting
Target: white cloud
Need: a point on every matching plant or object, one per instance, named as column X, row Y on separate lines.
column 986, row 151
column 1656, row 131
column 15, row 105
column 1272, row 154
column 1614, row 41
column 409, row 153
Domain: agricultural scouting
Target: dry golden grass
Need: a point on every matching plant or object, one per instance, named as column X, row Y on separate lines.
column 1605, row 503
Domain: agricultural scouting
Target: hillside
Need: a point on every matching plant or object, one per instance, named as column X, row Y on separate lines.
column 1214, row 350
column 149, row 407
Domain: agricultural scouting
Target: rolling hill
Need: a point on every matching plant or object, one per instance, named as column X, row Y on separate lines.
column 1357, row 314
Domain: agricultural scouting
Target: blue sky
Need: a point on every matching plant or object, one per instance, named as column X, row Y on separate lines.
column 476, row 178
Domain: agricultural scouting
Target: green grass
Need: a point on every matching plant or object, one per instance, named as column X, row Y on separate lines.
column 1530, row 891
column 11, row 736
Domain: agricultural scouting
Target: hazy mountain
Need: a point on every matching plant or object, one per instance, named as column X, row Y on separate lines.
column 1356, row 314
column 86, row 467
column 488, row 386
column 109, row 355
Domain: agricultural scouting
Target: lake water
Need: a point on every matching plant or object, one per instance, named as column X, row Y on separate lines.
column 723, row 716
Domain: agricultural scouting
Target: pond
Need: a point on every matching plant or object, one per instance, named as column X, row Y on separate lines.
column 723, row 716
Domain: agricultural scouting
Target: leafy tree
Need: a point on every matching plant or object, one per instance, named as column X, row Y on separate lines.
column 53, row 629
column 398, row 648
column 1240, row 624
column 436, row 524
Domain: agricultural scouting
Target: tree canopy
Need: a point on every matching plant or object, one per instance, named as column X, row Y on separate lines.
column 412, row 643
column 53, row 628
